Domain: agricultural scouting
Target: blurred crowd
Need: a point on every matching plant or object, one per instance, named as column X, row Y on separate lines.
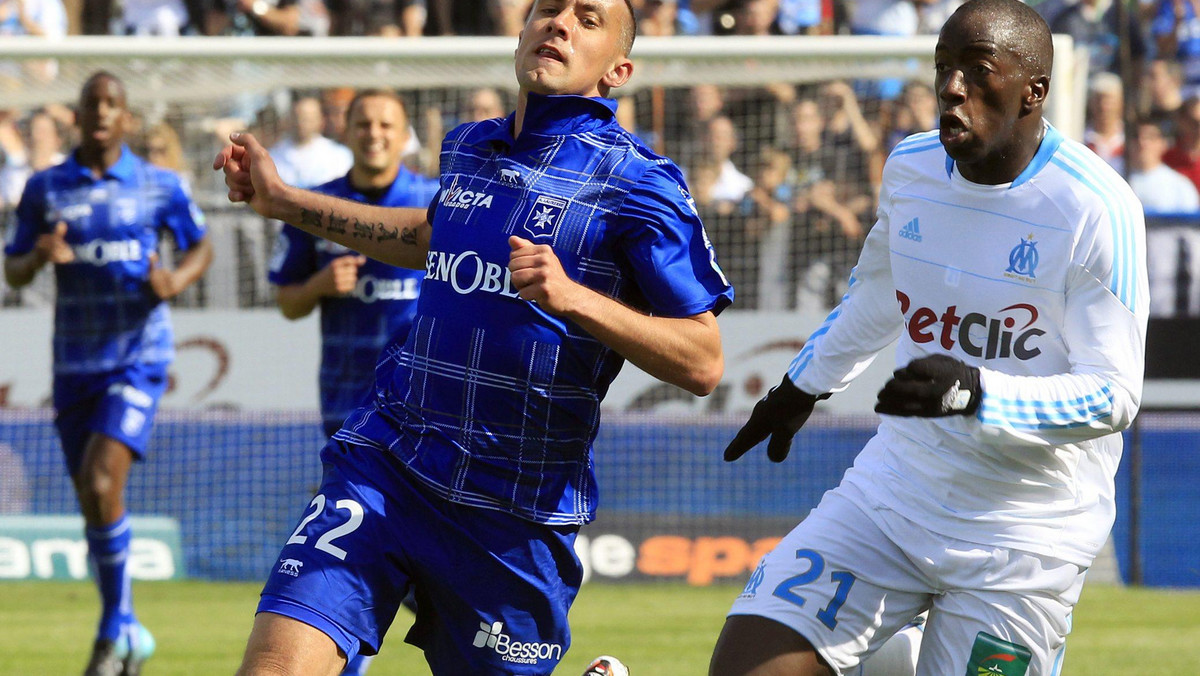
column 784, row 176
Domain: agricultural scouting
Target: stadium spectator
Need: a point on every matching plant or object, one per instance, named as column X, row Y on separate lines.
column 1104, row 133
column 163, row 18
column 1184, row 155
column 989, row 487
column 265, row 17
column 386, row 18
column 931, row 14
column 485, row 104
column 657, row 18
column 1164, row 93
column 164, row 149
column 306, row 157
column 43, row 150
column 364, row 304
column 1176, row 31
column 43, row 18
column 805, row 17
column 97, row 217
column 1161, row 189
column 914, row 111
column 757, row 267
column 1092, row 24
column 478, row 441
column 720, row 142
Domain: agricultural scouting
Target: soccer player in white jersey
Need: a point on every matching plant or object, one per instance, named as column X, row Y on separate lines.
column 1010, row 262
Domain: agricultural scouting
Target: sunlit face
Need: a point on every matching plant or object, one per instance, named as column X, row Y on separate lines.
column 43, row 133
column 103, row 114
column 485, row 104
column 378, row 133
column 981, row 87
column 310, row 119
column 722, row 138
column 1148, row 146
column 807, row 122
column 573, row 47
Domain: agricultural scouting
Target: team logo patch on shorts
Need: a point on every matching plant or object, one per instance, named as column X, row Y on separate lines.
column 991, row 656
column 132, row 422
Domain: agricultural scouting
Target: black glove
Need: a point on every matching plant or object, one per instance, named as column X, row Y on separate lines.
column 931, row 387
column 778, row 415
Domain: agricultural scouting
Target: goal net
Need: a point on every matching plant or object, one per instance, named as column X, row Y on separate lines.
column 781, row 140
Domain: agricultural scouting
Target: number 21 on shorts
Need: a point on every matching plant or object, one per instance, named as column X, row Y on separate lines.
column 325, row 542
column 786, row 590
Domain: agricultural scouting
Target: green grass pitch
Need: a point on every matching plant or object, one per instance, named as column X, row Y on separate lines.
column 658, row 629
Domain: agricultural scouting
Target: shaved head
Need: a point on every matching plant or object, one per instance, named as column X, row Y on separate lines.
column 1018, row 27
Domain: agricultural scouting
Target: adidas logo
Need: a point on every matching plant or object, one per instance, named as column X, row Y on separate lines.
column 911, row 230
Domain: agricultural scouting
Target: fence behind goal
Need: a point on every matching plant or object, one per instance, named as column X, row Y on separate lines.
column 234, row 455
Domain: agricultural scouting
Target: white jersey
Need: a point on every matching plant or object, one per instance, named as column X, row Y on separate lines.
column 1041, row 284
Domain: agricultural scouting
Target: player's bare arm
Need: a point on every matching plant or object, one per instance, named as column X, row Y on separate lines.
column 336, row 279
column 167, row 284
column 392, row 235
column 683, row 351
column 51, row 247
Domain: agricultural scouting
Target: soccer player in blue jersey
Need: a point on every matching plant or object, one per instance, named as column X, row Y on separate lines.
column 364, row 303
column 98, row 217
column 558, row 247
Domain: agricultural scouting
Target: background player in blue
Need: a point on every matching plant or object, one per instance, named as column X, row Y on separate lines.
column 97, row 218
column 364, row 303
column 558, row 247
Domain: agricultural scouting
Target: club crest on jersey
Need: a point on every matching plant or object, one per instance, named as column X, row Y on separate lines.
column 126, row 211
column 1023, row 260
column 543, row 219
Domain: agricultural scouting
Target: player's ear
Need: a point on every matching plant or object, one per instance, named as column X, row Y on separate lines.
column 1035, row 92
column 619, row 74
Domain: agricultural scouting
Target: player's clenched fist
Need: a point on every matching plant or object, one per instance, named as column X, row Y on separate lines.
column 250, row 173
column 341, row 275
column 52, row 247
column 538, row 275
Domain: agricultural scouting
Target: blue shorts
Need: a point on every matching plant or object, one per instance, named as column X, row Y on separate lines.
column 492, row 589
column 118, row 404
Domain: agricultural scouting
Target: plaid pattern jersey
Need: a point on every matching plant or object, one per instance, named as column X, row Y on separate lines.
column 491, row 401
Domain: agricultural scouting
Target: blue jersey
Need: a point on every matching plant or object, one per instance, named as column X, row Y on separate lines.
column 355, row 327
column 107, row 317
column 491, row 401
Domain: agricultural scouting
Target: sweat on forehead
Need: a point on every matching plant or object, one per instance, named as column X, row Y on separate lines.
column 1014, row 26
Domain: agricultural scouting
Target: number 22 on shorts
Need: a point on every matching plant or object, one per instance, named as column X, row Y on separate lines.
column 325, row 542
column 844, row 580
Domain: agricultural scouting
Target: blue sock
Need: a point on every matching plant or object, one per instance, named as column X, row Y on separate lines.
column 108, row 548
column 357, row 666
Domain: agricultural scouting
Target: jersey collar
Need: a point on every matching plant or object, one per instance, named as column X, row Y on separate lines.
column 1051, row 140
column 123, row 170
column 557, row 115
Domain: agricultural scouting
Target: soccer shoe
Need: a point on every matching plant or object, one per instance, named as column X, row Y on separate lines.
column 106, row 659
column 606, row 666
column 140, row 647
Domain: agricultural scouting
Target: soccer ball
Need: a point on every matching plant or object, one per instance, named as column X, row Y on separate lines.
column 606, row 666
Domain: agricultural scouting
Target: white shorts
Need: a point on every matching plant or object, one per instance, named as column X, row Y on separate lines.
column 848, row 577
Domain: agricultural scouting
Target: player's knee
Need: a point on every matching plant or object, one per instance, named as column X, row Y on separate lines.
column 756, row 646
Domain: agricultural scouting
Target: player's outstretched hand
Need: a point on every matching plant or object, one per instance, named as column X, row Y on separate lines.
column 778, row 415
column 250, row 172
column 538, row 275
column 931, row 387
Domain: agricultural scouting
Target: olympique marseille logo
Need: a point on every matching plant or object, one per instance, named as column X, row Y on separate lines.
column 544, row 217
column 1023, row 258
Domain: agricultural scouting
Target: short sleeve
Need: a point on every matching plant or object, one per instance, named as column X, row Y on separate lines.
column 294, row 258
column 182, row 217
column 29, row 219
column 673, row 261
